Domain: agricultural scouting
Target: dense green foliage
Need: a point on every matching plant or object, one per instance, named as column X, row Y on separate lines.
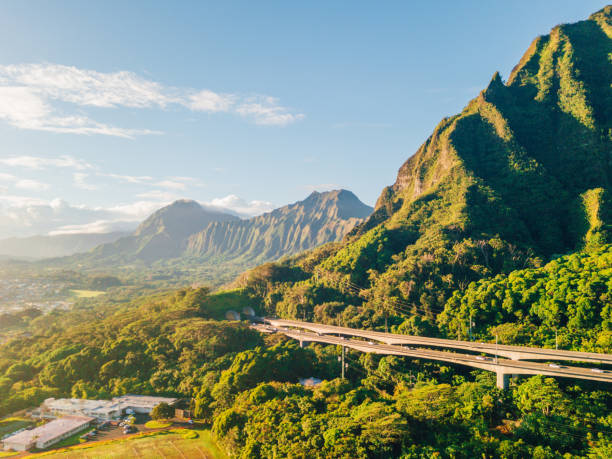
column 162, row 411
column 571, row 295
column 151, row 345
column 469, row 229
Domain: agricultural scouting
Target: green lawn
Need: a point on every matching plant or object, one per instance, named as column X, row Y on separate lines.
column 165, row 444
column 86, row 293
column 10, row 425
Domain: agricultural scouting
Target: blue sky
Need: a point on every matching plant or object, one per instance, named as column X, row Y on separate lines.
column 110, row 109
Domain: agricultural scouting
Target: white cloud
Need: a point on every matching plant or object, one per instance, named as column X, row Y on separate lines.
column 129, row 178
column 36, row 162
column 172, row 184
column 25, row 108
column 87, row 87
column 208, row 101
column 29, row 94
column 98, row 226
column 25, row 216
column 267, row 111
column 241, row 206
column 80, row 181
column 31, row 185
column 7, row 177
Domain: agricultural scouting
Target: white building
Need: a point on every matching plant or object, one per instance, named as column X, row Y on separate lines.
column 102, row 409
column 48, row 434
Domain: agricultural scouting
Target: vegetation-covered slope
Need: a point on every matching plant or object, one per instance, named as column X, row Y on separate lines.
column 521, row 174
column 163, row 235
column 320, row 218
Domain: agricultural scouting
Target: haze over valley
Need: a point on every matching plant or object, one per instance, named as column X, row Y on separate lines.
column 467, row 313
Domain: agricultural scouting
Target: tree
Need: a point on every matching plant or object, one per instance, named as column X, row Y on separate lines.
column 162, row 411
column 541, row 394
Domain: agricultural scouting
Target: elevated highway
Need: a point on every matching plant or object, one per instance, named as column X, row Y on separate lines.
column 502, row 367
column 501, row 350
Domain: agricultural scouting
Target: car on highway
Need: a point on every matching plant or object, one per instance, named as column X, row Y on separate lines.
column 597, row 370
column 554, row 365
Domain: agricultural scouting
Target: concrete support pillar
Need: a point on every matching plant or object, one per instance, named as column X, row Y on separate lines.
column 503, row 380
column 301, row 343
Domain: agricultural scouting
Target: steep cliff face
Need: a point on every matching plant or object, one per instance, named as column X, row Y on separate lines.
column 163, row 235
column 522, row 174
column 516, row 160
column 320, row 218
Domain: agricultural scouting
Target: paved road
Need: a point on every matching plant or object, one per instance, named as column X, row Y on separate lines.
column 511, row 352
column 502, row 367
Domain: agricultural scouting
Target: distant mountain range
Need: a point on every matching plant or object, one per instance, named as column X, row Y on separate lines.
column 61, row 245
column 320, row 218
column 185, row 231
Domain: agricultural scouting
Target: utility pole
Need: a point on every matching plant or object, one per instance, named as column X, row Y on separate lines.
column 556, row 341
column 342, row 362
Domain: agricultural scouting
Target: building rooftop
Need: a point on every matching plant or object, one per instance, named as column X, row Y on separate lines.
column 143, row 400
column 49, row 431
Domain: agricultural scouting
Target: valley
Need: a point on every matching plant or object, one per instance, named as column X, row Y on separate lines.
column 468, row 314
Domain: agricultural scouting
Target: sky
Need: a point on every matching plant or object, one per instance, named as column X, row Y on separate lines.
column 112, row 109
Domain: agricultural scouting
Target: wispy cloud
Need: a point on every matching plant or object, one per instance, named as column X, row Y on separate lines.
column 80, row 181
column 31, row 185
column 31, row 96
column 172, row 184
column 37, row 162
column 267, row 111
column 136, row 179
column 242, row 206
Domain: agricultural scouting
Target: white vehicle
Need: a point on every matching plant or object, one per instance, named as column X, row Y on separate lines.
column 554, row 365
column 597, row 370
column 480, row 357
column 370, row 342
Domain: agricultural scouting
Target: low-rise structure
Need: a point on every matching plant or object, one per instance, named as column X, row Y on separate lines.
column 47, row 434
column 102, row 409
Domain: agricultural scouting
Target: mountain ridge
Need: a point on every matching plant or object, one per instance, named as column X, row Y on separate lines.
column 521, row 175
column 188, row 232
column 320, row 218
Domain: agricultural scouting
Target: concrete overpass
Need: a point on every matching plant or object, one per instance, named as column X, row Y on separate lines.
column 504, row 368
column 502, row 350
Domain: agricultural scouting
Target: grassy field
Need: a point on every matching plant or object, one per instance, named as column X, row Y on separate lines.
column 10, row 425
column 165, row 444
column 86, row 293
column 157, row 424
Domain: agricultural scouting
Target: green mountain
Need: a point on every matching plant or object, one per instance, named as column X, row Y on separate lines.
column 522, row 174
column 61, row 245
column 185, row 234
column 163, row 235
column 320, row 218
